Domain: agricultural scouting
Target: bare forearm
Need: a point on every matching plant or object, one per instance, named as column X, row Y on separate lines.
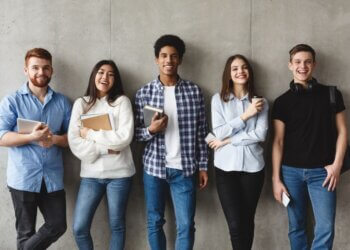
column 340, row 148
column 226, row 141
column 60, row 140
column 14, row 139
column 277, row 151
column 341, row 142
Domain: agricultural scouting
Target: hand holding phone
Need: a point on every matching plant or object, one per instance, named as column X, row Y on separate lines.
column 285, row 199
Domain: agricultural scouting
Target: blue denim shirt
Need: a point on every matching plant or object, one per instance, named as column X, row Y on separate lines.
column 29, row 164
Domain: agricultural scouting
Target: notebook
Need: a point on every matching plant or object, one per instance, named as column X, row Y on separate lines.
column 96, row 121
column 26, row 126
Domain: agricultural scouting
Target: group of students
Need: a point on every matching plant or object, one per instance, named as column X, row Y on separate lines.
column 306, row 156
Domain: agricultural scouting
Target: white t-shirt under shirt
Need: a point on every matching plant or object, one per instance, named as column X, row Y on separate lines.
column 172, row 133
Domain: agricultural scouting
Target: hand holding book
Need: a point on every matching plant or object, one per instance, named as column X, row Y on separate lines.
column 83, row 132
column 155, row 119
column 158, row 124
column 96, row 122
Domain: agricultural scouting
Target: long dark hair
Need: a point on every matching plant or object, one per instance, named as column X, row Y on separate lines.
column 227, row 83
column 116, row 90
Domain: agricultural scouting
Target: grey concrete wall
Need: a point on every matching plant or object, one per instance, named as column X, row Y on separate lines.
column 79, row 33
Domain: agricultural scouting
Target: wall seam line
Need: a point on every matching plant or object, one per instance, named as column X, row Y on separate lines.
column 250, row 29
column 110, row 29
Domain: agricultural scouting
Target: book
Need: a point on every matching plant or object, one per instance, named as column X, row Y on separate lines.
column 148, row 113
column 26, row 126
column 96, row 121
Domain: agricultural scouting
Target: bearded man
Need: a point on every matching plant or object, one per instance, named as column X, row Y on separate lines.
column 35, row 167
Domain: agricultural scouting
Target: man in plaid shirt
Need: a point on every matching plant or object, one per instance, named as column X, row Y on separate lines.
column 175, row 145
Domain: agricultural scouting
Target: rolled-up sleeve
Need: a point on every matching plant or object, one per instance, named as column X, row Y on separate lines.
column 67, row 115
column 255, row 135
column 202, row 157
column 141, row 132
column 8, row 115
column 222, row 128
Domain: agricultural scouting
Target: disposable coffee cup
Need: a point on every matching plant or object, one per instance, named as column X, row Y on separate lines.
column 256, row 98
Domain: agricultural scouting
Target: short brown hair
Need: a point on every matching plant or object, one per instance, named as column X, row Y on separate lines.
column 227, row 83
column 38, row 52
column 302, row 47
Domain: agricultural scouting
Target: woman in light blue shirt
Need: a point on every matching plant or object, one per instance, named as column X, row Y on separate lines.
column 240, row 122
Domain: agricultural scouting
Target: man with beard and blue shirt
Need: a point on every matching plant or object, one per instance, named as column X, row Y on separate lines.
column 35, row 167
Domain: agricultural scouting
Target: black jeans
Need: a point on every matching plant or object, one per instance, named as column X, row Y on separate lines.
column 53, row 208
column 239, row 193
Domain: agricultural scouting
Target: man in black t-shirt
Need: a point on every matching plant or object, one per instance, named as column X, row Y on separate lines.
column 307, row 152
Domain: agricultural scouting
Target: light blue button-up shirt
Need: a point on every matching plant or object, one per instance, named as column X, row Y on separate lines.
column 244, row 153
column 29, row 164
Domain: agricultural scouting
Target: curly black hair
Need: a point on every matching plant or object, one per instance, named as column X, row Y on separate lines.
column 169, row 40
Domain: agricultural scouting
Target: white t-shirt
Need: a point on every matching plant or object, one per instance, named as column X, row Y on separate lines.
column 172, row 133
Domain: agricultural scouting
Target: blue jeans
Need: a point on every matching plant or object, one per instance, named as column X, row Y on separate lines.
column 300, row 183
column 91, row 192
column 183, row 194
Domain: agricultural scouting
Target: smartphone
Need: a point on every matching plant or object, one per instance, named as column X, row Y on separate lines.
column 285, row 199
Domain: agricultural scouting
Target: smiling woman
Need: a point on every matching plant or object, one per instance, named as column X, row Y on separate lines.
column 106, row 161
column 105, row 74
column 104, row 80
column 239, row 121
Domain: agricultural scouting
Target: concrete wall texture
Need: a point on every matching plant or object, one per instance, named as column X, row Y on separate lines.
column 81, row 32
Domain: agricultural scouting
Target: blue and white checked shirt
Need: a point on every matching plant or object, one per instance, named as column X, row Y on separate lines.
column 29, row 164
column 192, row 126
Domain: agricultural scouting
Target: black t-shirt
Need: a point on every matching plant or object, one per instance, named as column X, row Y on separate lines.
column 309, row 139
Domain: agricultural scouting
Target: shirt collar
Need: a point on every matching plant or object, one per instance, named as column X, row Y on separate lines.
column 24, row 90
column 232, row 96
column 160, row 85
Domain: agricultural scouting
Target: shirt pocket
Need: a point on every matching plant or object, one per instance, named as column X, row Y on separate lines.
column 55, row 121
